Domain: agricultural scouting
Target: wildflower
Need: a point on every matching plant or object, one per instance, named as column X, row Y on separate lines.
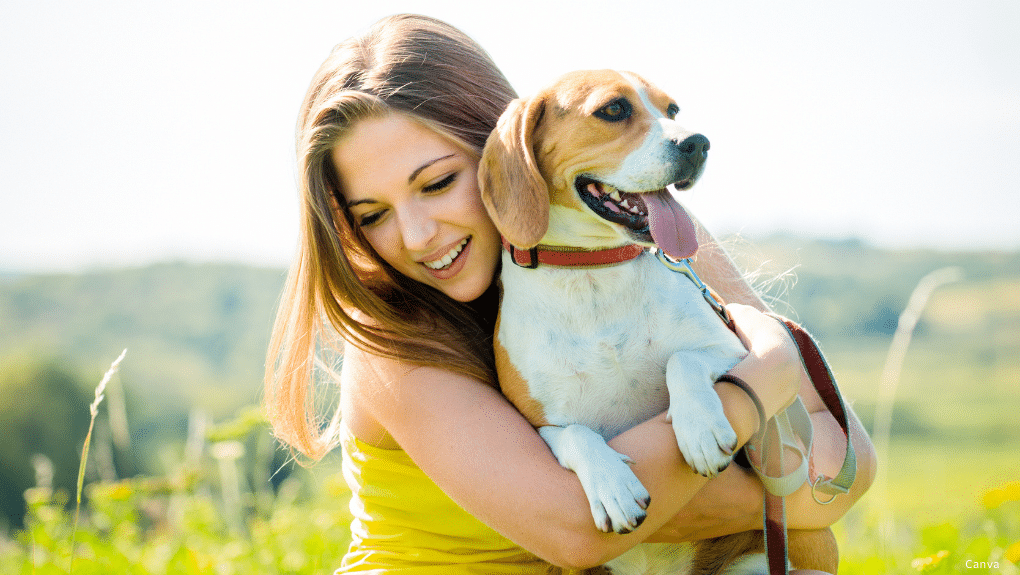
column 930, row 562
column 1005, row 492
column 1013, row 553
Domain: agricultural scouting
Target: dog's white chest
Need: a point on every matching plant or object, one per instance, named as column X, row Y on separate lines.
column 593, row 344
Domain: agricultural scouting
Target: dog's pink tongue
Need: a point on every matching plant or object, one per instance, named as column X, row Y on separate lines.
column 671, row 227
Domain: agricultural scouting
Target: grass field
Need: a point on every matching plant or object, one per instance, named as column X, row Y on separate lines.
column 945, row 507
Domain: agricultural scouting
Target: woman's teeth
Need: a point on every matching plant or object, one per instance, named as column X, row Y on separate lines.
column 448, row 258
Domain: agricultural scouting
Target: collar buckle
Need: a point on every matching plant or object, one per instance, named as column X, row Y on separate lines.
column 532, row 255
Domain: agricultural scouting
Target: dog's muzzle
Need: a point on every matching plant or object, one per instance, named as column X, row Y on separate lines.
column 652, row 216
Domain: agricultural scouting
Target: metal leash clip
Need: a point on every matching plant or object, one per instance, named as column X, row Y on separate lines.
column 684, row 267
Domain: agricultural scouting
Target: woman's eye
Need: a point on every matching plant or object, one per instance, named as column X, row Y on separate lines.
column 369, row 218
column 615, row 111
column 441, row 184
column 672, row 110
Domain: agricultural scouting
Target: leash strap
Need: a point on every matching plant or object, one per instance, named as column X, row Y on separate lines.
column 783, row 431
column 821, row 376
column 798, row 422
column 776, row 544
column 770, row 433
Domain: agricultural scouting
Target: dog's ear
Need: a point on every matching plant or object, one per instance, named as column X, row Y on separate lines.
column 513, row 190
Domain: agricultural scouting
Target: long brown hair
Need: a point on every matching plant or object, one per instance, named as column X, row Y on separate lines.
column 435, row 74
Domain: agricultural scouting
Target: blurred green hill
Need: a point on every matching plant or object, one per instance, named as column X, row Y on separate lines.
column 197, row 335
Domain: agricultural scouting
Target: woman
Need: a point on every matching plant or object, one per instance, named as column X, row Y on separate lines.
column 396, row 266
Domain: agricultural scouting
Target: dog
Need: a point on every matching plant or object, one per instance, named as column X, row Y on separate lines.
column 580, row 174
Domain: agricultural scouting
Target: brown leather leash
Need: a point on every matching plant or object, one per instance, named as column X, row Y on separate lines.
column 824, row 383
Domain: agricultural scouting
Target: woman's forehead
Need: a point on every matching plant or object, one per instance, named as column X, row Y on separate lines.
column 380, row 155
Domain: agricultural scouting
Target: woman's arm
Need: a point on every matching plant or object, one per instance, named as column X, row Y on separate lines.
column 466, row 437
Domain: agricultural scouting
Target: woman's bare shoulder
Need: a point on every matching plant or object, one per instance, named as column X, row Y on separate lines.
column 364, row 378
column 380, row 392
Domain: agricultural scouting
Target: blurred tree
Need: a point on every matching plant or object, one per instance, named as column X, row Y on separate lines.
column 44, row 411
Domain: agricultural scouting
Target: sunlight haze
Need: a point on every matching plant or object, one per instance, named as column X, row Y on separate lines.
column 134, row 132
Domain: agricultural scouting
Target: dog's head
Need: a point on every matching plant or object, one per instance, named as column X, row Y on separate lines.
column 586, row 163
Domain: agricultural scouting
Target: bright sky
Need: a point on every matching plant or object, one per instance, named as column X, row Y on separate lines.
column 135, row 131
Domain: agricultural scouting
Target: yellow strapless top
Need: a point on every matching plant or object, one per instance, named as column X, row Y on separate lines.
column 403, row 523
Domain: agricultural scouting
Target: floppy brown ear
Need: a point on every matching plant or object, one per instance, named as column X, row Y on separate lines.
column 513, row 190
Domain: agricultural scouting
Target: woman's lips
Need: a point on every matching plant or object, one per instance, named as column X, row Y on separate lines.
column 444, row 260
column 456, row 263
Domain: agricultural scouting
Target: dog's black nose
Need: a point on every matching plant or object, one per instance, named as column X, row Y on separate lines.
column 695, row 147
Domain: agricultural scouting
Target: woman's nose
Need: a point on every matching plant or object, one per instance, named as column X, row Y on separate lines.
column 417, row 227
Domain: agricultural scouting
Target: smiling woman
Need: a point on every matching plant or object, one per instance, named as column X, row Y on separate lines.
column 406, row 67
column 414, row 195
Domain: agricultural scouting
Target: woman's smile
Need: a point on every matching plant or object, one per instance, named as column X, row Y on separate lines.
column 446, row 261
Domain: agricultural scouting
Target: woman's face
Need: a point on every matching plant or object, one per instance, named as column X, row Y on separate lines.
column 415, row 196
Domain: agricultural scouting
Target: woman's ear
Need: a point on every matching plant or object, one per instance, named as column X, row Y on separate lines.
column 513, row 190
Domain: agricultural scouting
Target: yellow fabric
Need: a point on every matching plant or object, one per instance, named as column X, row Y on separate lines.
column 403, row 522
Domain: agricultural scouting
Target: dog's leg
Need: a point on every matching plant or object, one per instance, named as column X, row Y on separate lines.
column 703, row 433
column 616, row 496
column 814, row 550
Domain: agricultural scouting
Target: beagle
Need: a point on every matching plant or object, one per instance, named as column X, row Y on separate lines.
column 595, row 334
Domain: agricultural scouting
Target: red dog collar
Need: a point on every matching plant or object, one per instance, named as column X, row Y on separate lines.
column 571, row 257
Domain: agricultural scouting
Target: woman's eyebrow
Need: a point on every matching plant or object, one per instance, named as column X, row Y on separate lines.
column 415, row 173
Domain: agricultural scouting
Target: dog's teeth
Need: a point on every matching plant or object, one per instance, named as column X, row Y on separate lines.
column 593, row 189
column 625, row 205
column 615, row 195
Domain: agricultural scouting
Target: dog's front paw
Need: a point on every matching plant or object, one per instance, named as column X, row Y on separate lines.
column 615, row 495
column 706, row 439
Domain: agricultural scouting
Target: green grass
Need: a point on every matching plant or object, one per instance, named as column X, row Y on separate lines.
column 958, row 501
column 947, row 504
column 178, row 525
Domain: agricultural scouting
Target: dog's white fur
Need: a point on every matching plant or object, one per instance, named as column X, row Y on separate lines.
column 601, row 352
column 588, row 353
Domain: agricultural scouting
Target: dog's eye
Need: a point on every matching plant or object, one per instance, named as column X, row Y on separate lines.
column 672, row 110
column 615, row 111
